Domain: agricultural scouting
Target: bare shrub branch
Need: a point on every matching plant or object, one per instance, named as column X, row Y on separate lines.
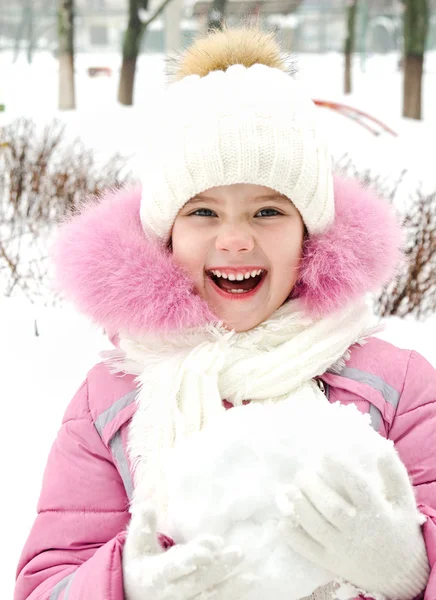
column 43, row 177
column 413, row 292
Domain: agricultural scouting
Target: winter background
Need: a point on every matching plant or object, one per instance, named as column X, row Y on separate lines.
column 39, row 374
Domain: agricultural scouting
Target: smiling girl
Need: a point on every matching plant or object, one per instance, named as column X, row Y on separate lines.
column 238, row 273
column 241, row 246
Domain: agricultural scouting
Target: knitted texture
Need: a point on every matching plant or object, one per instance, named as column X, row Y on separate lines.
column 185, row 572
column 327, row 592
column 244, row 125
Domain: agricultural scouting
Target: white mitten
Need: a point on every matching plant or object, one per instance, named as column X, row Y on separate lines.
column 202, row 569
column 366, row 530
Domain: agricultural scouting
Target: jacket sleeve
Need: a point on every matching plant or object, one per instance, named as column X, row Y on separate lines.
column 74, row 549
column 414, row 434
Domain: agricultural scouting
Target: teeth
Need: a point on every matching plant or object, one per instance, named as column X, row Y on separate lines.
column 238, row 291
column 238, row 277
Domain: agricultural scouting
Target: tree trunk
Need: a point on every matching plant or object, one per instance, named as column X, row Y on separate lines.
column 22, row 27
column 30, row 35
column 17, row 41
column 413, row 70
column 131, row 45
column 416, row 17
column 67, row 95
column 216, row 15
column 127, row 81
column 349, row 45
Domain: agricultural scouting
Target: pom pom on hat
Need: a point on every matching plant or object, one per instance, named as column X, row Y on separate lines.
column 219, row 50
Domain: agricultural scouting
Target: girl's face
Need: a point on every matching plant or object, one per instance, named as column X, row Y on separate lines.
column 241, row 245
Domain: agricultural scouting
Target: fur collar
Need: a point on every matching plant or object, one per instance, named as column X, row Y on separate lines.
column 126, row 281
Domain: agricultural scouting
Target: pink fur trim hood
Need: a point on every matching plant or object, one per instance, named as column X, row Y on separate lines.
column 125, row 281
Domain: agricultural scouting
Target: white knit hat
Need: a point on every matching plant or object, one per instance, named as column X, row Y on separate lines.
column 252, row 124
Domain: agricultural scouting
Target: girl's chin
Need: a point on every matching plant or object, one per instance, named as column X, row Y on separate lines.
column 238, row 320
column 240, row 328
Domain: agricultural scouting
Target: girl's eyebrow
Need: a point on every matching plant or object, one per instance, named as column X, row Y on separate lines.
column 198, row 199
column 275, row 197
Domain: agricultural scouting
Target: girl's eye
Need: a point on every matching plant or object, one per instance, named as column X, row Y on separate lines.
column 268, row 212
column 203, row 212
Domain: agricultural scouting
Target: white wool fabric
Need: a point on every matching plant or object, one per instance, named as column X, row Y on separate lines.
column 184, row 378
column 244, row 125
column 326, row 592
column 198, row 569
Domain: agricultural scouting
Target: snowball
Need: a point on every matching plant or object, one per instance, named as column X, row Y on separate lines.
column 225, row 481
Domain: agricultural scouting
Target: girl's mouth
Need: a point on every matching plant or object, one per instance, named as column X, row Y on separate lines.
column 237, row 286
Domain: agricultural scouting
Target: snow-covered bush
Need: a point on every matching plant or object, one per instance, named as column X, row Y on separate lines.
column 413, row 292
column 43, row 177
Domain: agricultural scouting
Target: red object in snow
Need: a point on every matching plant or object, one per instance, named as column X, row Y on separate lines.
column 99, row 71
column 373, row 125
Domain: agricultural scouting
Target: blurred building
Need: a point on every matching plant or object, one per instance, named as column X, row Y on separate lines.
column 304, row 25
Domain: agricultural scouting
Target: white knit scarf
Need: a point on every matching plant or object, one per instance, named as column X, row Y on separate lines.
column 184, row 378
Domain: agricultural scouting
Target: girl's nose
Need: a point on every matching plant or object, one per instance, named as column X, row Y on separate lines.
column 235, row 239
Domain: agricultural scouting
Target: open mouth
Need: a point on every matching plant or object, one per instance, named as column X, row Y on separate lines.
column 237, row 284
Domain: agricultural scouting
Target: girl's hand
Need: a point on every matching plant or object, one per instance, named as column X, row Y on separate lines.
column 363, row 529
column 203, row 569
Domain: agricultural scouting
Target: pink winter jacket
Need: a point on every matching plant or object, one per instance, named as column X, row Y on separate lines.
column 74, row 549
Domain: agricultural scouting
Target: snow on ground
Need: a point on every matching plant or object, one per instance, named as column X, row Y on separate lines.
column 39, row 377
column 41, row 373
